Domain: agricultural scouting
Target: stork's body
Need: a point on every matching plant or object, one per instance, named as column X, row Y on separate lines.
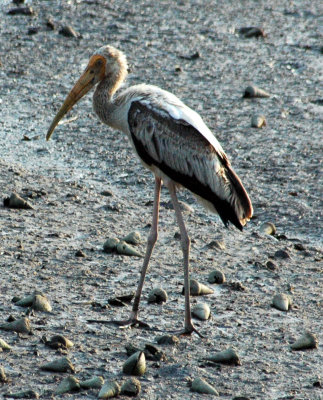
column 172, row 141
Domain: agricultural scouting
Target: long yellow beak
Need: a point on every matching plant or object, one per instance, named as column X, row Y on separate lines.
column 82, row 86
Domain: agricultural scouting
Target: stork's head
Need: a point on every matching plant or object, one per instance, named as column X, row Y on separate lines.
column 106, row 63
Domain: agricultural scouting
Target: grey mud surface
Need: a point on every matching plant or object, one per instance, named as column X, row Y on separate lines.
column 64, row 178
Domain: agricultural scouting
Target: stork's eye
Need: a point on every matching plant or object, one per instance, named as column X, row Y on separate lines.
column 98, row 63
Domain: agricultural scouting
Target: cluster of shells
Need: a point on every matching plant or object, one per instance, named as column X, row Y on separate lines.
column 124, row 245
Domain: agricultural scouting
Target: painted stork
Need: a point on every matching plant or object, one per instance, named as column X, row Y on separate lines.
column 173, row 142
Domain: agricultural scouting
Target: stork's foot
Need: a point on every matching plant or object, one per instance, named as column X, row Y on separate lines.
column 188, row 330
column 131, row 322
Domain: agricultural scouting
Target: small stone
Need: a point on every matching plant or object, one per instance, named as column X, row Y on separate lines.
column 254, row 91
column 60, row 365
column 59, row 342
column 68, row 384
column 193, row 56
column 50, row 24
column 136, row 364
column 21, row 11
column 199, row 385
column 32, row 30
column 93, row 383
column 153, row 353
column 4, row 345
column 158, row 296
column 80, row 253
column 15, row 201
column 307, row 341
column 108, row 390
column 201, row 311
column 21, row 325
column 258, row 121
column 271, row 265
column 282, row 302
column 252, row 31
column 28, row 300
column 217, row 244
column 268, row 228
column 283, row 254
column 216, row 276
column 41, row 303
column 68, row 31
column 228, row 356
column 110, row 245
column 131, row 387
column 168, row 340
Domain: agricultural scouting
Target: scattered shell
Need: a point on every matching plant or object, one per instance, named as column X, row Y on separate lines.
column 15, row 201
column 4, row 345
column 93, row 383
column 80, row 253
column 158, row 296
column 252, row 31
column 68, row 384
column 198, row 289
column 131, row 387
column 282, row 254
column 268, row 228
column 26, row 301
column 24, row 394
column 282, row 302
column 167, row 339
column 68, row 31
column 217, row 244
column 110, row 245
column 124, row 248
column 201, row 311
column 41, row 303
column 21, row 11
column 3, row 377
column 216, row 276
column 258, row 121
column 136, row 364
column 21, row 325
column 153, row 353
column 307, row 341
column 133, row 238
column 108, row 390
column 199, row 385
column 50, row 24
column 254, row 91
column 59, row 342
column 121, row 301
column 271, row 265
column 131, row 349
column 60, row 365
column 228, row 356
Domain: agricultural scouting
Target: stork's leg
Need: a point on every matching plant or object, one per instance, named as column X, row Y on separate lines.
column 152, row 238
column 186, row 243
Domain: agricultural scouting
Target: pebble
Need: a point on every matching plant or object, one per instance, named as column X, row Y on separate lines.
column 153, row 353
column 228, row 356
column 32, row 31
column 258, row 121
column 282, row 302
column 271, row 265
column 21, row 325
column 216, row 276
column 193, row 56
column 15, row 201
column 108, row 390
column 125, row 249
column 58, row 342
column 4, row 345
column 68, row 31
column 80, row 253
column 136, row 364
column 110, row 245
column 50, row 24
column 131, row 387
column 216, row 244
column 268, row 228
column 21, row 11
column 41, row 303
column 93, row 383
column 199, row 385
column 158, row 296
column 283, row 254
column 252, row 31
column 306, row 341
column 133, row 238
column 254, row 91
column 68, row 384
column 168, row 340
column 198, row 289
column 201, row 311
column 60, row 365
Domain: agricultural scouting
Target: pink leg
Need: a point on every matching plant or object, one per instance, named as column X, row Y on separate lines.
column 186, row 243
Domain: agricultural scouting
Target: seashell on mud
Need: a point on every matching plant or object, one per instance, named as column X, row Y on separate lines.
column 254, row 91
column 59, row 342
column 21, row 325
column 3, row 377
column 124, row 248
column 131, row 387
column 153, row 353
column 201, row 311
column 158, row 296
column 60, row 365
column 307, row 341
column 268, row 228
column 110, row 245
column 15, row 201
column 198, row 289
column 131, row 349
column 252, row 31
column 216, row 276
column 4, row 345
column 132, row 238
column 68, row 384
column 41, row 303
column 108, row 390
column 282, row 302
column 258, row 121
column 228, row 356
column 168, row 340
column 93, row 383
column 28, row 300
column 24, row 394
column 136, row 364
column 199, row 385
